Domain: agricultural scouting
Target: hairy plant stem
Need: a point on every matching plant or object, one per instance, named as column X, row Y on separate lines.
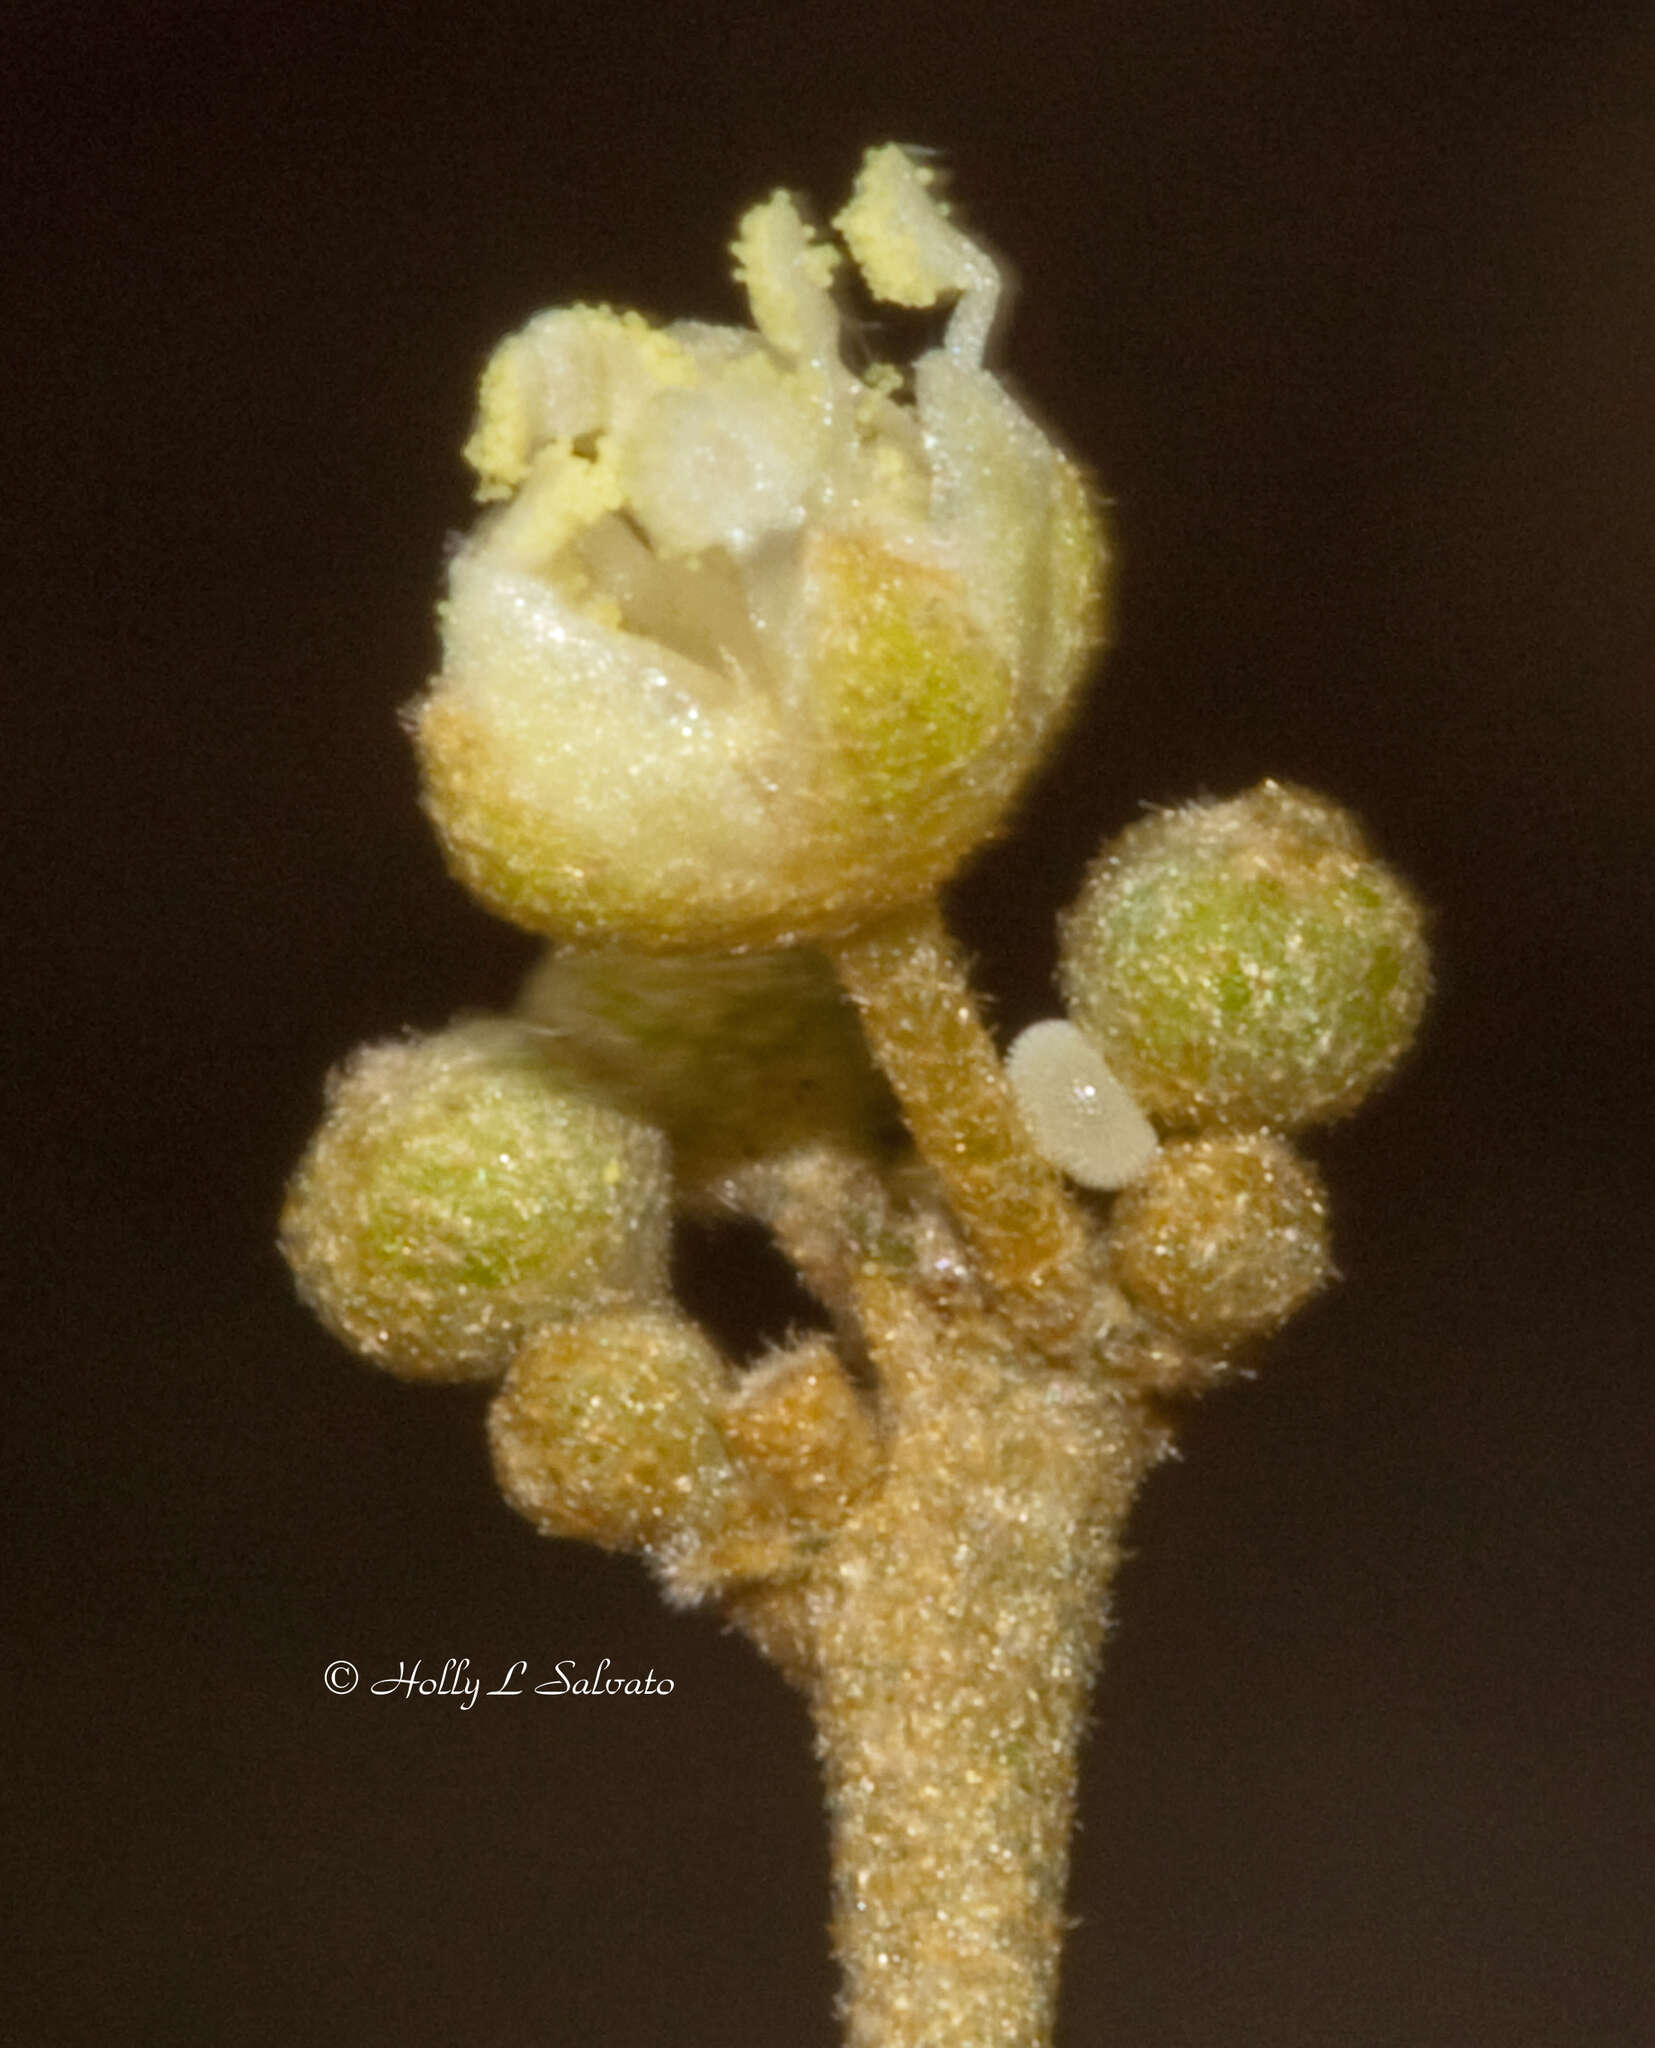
column 946, row 1638
column 828, row 1211
column 905, row 974
column 946, row 1632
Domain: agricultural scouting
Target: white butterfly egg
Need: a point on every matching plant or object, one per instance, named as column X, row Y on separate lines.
column 1080, row 1117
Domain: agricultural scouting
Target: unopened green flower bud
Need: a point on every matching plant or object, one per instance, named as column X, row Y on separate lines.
column 604, row 1429
column 736, row 1056
column 755, row 646
column 463, row 1190
column 1223, row 1237
column 1247, row 962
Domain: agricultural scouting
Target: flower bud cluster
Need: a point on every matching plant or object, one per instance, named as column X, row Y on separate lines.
column 751, row 649
column 1234, row 970
column 477, row 1204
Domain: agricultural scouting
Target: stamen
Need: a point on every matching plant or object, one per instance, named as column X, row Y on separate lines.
column 912, row 254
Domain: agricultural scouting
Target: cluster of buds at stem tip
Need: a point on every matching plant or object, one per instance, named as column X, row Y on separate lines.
column 751, row 648
column 1232, row 972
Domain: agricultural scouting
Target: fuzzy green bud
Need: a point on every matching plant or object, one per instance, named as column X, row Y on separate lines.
column 736, row 1056
column 605, row 1429
column 1247, row 962
column 754, row 645
column 463, row 1190
column 1223, row 1237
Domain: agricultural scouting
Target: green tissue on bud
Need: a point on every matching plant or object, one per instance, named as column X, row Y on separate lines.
column 463, row 1190
column 906, row 691
column 605, row 1429
column 1223, row 1237
column 736, row 1056
column 1247, row 962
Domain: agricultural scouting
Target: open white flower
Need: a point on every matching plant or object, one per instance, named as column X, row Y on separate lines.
column 755, row 646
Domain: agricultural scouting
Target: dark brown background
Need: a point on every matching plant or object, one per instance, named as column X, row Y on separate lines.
column 1353, row 307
